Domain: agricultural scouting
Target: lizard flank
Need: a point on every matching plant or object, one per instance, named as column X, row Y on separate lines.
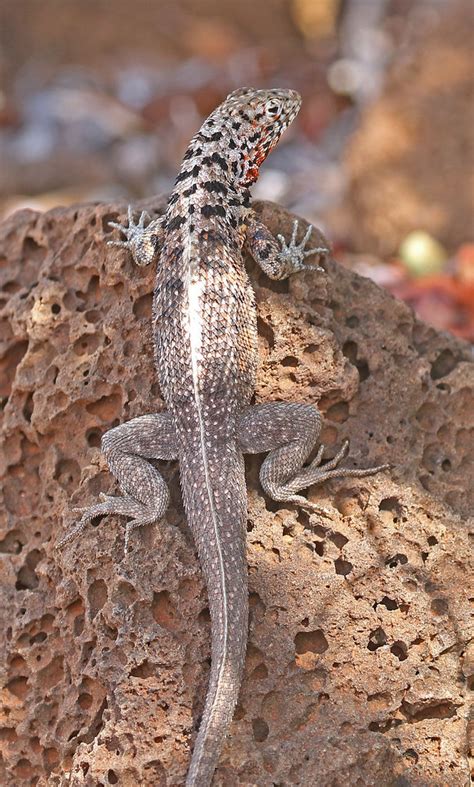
column 205, row 333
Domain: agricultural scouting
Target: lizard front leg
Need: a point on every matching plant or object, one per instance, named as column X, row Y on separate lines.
column 143, row 241
column 277, row 258
column 290, row 431
column 126, row 448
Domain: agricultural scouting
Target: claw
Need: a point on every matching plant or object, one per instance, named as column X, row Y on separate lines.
column 293, row 234
column 87, row 514
column 318, row 509
column 72, row 534
column 128, row 530
column 341, row 454
column 299, row 500
column 313, row 268
column 307, row 236
column 317, row 459
column 345, row 447
column 377, row 469
column 122, row 243
column 317, row 250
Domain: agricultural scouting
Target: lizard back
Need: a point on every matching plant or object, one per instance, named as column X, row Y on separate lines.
column 206, row 356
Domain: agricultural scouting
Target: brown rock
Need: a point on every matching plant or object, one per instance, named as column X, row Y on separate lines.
column 358, row 619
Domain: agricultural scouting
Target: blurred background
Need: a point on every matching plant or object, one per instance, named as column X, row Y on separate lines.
column 99, row 99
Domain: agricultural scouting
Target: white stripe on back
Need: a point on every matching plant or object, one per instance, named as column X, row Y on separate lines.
column 195, row 290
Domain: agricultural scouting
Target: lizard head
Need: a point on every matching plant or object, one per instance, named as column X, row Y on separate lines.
column 257, row 119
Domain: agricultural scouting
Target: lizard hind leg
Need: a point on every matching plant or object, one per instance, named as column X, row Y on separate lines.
column 127, row 449
column 290, row 431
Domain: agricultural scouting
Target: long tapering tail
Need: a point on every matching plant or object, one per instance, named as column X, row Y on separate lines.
column 223, row 691
column 217, row 514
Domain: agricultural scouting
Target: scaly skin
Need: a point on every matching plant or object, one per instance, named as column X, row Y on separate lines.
column 204, row 325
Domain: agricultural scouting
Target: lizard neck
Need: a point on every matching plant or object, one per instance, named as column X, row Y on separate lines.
column 214, row 179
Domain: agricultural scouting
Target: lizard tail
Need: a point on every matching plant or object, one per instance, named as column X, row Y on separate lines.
column 223, row 691
column 217, row 516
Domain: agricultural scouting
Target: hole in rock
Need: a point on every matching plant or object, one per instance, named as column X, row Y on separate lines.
column 93, row 437
column 144, row 670
column 393, row 506
column 12, row 543
column 397, row 560
column 18, row 687
column 443, row 365
column 84, row 701
column 400, row 650
column 260, row 730
column 163, row 610
column 311, row 642
column 387, row 602
column 28, row 407
column 338, row 413
column 142, row 306
column 338, row 539
column 343, row 567
column 97, row 596
column 377, row 638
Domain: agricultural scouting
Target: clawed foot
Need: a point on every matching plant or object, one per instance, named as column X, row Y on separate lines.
column 293, row 255
column 130, row 230
column 124, row 506
column 88, row 514
column 316, row 473
column 140, row 239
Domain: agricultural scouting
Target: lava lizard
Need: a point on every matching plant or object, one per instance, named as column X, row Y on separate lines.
column 205, row 334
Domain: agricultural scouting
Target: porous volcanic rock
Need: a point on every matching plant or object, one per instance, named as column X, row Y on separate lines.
column 357, row 664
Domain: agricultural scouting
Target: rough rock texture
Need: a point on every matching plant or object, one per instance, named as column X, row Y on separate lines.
column 357, row 664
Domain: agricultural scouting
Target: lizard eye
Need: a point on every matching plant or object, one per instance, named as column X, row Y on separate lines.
column 271, row 110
